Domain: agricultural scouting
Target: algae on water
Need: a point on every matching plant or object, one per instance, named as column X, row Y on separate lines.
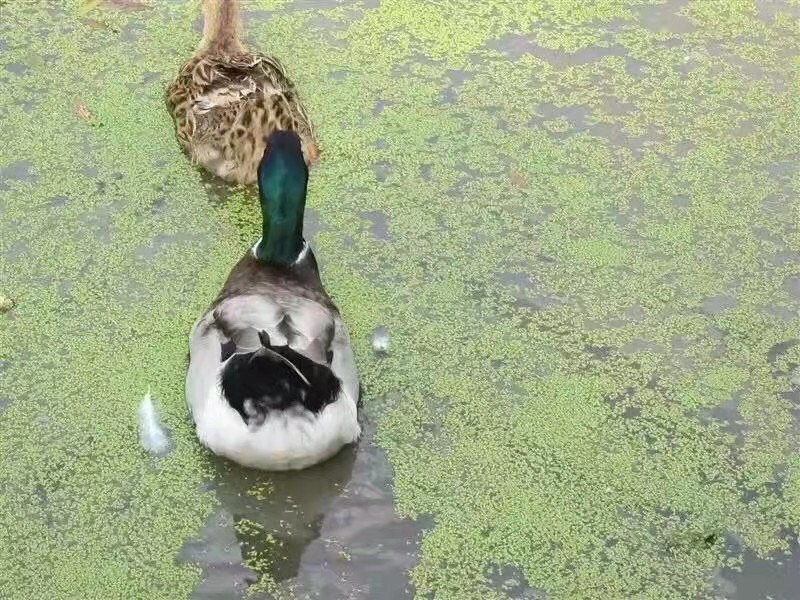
column 592, row 282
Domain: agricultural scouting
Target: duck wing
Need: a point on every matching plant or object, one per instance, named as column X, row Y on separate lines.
column 294, row 310
column 212, row 80
column 224, row 81
column 303, row 324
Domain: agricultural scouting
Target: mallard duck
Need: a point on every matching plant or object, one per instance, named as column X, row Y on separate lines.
column 226, row 101
column 272, row 380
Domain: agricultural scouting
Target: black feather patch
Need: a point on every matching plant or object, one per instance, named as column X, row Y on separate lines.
column 275, row 378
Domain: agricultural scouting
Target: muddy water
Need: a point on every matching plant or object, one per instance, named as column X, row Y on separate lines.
column 546, row 219
column 327, row 532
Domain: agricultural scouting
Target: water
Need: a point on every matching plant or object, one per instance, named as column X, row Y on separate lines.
column 579, row 224
column 329, row 531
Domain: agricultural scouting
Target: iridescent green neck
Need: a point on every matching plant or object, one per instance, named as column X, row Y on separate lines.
column 282, row 183
column 281, row 233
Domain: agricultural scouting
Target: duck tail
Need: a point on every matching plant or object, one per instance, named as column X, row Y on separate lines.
column 221, row 27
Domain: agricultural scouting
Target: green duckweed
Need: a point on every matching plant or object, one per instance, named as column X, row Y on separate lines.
column 591, row 280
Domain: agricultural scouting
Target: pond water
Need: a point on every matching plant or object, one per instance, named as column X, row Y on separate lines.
column 564, row 236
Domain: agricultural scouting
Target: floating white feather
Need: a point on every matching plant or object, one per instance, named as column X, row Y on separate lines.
column 380, row 339
column 153, row 435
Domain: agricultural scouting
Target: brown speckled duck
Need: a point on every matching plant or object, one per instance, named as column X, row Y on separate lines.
column 226, row 101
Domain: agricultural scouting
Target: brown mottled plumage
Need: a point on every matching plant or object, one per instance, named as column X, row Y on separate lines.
column 226, row 101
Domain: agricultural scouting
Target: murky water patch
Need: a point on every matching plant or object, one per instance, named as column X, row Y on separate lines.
column 666, row 17
column 768, row 10
column 379, row 224
column 21, row 170
column 528, row 292
column 516, row 45
column 614, row 271
column 218, row 554
column 327, row 532
column 147, row 252
column 779, row 573
column 511, row 582
column 99, row 221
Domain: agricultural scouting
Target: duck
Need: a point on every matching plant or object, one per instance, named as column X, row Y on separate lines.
column 272, row 381
column 225, row 101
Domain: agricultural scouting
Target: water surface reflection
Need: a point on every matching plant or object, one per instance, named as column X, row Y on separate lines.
column 326, row 532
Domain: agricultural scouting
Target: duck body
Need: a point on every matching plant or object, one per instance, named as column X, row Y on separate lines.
column 254, row 408
column 226, row 101
column 272, row 381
